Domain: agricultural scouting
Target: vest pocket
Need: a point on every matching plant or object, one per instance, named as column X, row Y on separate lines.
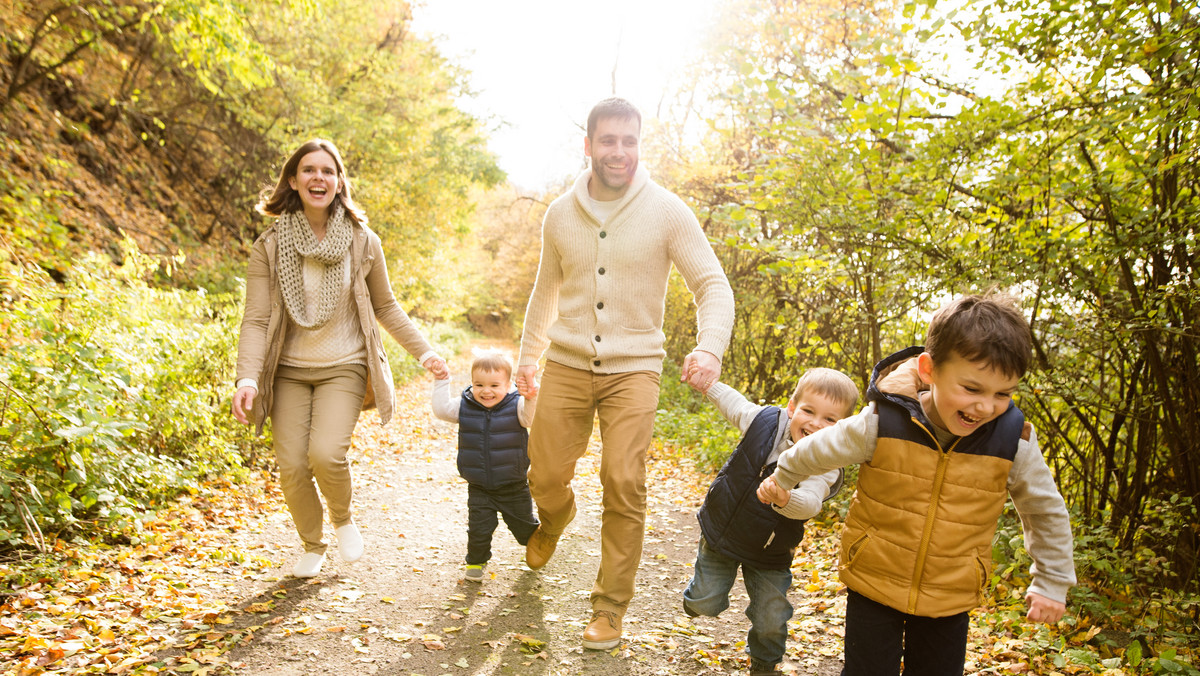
column 856, row 547
column 983, row 569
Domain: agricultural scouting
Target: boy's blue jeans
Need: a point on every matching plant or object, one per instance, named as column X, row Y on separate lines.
column 769, row 609
column 877, row 637
column 512, row 502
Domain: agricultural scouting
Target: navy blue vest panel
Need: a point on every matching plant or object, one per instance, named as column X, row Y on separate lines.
column 901, row 417
column 732, row 519
column 492, row 444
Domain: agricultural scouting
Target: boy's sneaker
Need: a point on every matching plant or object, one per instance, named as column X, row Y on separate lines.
column 473, row 572
column 758, row 668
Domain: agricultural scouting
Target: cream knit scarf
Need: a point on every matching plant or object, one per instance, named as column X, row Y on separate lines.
column 297, row 241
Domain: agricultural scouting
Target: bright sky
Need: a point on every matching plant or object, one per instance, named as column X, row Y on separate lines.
column 538, row 66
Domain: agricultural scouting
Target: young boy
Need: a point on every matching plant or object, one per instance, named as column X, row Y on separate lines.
column 493, row 422
column 739, row 530
column 941, row 447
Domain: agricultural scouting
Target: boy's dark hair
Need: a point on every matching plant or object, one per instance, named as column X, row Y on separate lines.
column 490, row 361
column 988, row 328
column 829, row 383
column 614, row 107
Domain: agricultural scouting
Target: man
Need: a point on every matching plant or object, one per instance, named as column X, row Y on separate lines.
column 597, row 313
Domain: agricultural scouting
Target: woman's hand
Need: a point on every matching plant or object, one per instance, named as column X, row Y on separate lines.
column 437, row 366
column 243, row 403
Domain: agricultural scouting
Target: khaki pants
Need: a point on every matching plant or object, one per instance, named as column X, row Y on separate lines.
column 313, row 418
column 569, row 401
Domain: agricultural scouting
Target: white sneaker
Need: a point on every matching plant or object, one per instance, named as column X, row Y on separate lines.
column 308, row 565
column 350, row 543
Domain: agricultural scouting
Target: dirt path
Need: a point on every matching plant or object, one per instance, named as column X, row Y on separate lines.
column 404, row 610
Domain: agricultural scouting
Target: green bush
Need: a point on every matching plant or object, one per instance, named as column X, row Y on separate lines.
column 114, row 396
column 1130, row 591
column 447, row 339
column 687, row 420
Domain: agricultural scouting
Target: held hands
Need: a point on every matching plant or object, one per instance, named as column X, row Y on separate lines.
column 700, row 370
column 1042, row 609
column 526, row 381
column 769, row 493
column 243, row 403
column 437, row 366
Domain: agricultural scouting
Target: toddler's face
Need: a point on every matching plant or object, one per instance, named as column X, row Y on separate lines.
column 811, row 411
column 964, row 395
column 489, row 387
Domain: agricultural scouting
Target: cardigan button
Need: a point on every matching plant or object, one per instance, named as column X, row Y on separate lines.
column 600, row 305
column 601, row 270
column 597, row 339
column 596, row 362
column 603, row 234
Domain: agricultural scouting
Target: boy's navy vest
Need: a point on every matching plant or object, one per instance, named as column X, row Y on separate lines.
column 732, row 519
column 491, row 442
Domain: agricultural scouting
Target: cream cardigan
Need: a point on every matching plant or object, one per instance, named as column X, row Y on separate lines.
column 600, row 293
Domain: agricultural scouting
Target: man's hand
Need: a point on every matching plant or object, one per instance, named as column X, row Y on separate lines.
column 526, row 381
column 437, row 366
column 700, row 370
column 1042, row 609
column 769, row 493
column 243, row 403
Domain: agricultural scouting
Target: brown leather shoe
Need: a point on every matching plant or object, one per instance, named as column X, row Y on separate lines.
column 604, row 632
column 540, row 548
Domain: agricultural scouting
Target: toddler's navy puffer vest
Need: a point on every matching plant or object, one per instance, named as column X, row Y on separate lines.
column 492, row 444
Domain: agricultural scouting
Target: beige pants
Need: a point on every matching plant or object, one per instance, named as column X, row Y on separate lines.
column 568, row 404
column 312, row 421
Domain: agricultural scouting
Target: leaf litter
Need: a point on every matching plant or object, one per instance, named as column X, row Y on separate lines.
column 203, row 588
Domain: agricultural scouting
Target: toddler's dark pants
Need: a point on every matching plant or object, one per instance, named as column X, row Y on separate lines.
column 511, row 501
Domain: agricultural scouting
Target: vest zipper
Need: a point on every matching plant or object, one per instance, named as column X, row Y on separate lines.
column 487, row 445
column 930, row 516
column 761, row 471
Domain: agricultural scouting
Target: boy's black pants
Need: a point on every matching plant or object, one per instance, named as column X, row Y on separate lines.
column 877, row 637
column 512, row 501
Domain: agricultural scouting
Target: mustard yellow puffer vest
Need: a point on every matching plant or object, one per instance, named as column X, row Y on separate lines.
column 918, row 535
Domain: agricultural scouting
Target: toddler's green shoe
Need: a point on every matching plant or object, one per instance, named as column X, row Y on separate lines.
column 473, row 573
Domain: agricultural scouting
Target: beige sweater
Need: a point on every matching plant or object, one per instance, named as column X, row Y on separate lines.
column 600, row 293
column 265, row 323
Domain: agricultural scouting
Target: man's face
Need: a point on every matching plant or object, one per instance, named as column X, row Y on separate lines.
column 613, row 148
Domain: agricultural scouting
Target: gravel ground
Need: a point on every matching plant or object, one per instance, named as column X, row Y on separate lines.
column 403, row 608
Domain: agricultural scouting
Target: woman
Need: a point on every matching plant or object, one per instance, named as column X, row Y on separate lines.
column 309, row 350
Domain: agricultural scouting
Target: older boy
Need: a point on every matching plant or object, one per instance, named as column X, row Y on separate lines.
column 941, row 447
column 492, row 454
column 738, row 530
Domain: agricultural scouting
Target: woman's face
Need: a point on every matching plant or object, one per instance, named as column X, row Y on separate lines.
column 316, row 180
